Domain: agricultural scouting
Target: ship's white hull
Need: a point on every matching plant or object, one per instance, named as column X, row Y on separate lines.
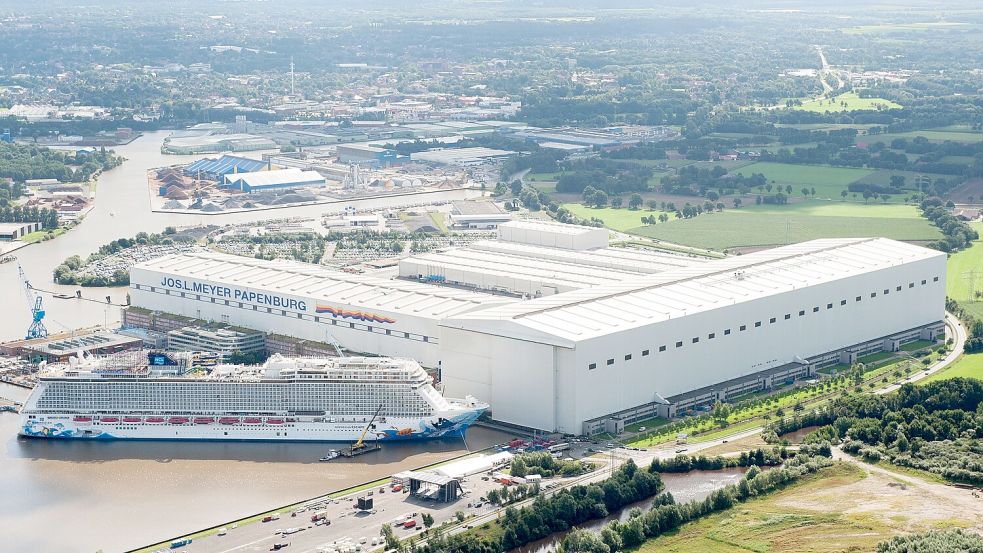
column 448, row 424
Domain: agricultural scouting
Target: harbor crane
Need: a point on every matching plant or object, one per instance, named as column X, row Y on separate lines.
column 37, row 328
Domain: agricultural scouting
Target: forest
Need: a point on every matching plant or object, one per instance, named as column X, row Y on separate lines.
column 20, row 162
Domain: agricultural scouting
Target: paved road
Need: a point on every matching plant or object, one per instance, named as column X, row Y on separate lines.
column 954, row 330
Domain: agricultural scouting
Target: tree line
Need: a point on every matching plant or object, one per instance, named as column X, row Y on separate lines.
column 29, row 214
column 20, row 162
column 666, row 515
column 958, row 234
column 561, row 511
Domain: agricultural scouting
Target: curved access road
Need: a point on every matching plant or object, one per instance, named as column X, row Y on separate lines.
column 954, row 330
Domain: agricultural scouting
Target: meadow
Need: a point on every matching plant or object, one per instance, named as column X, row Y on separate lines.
column 828, row 181
column 965, row 276
column 848, row 101
column 769, row 226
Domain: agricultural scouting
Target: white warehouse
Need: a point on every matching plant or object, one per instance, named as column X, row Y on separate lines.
column 659, row 333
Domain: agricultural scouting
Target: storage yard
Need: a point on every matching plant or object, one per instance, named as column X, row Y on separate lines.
column 530, row 324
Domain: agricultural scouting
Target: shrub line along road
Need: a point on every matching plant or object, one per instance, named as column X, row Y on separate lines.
column 615, row 457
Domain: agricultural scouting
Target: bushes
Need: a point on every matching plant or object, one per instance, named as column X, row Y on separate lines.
column 544, row 464
column 945, row 541
column 685, row 463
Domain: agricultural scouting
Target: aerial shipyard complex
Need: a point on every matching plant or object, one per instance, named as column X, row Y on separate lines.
column 558, row 331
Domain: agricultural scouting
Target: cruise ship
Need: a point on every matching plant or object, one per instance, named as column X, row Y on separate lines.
column 286, row 399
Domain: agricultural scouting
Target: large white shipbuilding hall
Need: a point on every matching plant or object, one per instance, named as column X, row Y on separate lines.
column 559, row 332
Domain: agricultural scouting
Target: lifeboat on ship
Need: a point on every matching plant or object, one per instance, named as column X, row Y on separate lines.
column 252, row 420
column 274, row 421
column 132, row 419
column 109, row 420
column 228, row 420
column 178, row 420
column 81, row 418
column 204, row 420
column 155, row 420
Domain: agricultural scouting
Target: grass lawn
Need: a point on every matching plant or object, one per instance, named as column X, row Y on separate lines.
column 532, row 177
column 960, row 283
column 778, row 225
column 969, row 366
column 828, row 181
column 848, row 101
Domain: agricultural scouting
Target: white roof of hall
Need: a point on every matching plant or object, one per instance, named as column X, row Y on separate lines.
column 549, row 226
column 635, row 260
column 321, row 283
column 563, row 319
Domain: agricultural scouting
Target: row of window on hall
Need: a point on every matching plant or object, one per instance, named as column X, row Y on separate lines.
column 772, row 320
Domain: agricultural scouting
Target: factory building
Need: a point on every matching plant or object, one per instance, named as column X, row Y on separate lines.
column 276, row 179
column 373, row 156
column 615, row 335
column 217, row 168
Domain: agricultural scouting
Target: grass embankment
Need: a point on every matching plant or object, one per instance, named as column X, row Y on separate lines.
column 969, row 366
column 41, row 235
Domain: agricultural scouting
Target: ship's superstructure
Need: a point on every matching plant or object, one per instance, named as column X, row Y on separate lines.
column 288, row 399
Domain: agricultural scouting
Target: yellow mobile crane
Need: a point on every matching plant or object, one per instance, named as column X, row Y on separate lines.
column 359, row 447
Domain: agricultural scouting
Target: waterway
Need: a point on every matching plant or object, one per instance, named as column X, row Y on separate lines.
column 123, row 209
column 78, row 496
column 86, row 496
column 695, row 485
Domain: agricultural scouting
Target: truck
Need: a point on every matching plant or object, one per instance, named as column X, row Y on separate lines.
column 319, row 515
column 409, row 523
column 278, row 546
column 180, row 543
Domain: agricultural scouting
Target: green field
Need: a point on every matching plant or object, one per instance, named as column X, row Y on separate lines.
column 777, row 225
column 828, row 181
column 965, row 276
column 618, row 219
column 969, row 366
column 848, row 101
column 935, row 136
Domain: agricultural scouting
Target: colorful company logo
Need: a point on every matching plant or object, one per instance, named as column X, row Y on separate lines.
column 359, row 315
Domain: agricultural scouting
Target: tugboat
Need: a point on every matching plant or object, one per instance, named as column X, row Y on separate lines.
column 332, row 454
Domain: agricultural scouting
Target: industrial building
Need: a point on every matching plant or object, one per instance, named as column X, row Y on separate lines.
column 14, row 231
column 223, row 341
column 373, row 156
column 461, row 156
column 559, row 332
column 217, row 168
column 276, row 179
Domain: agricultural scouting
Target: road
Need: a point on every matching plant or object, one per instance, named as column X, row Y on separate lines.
column 956, row 331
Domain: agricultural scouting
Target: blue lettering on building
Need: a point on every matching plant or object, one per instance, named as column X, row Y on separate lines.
column 245, row 296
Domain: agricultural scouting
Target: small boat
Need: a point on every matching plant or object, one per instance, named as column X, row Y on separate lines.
column 82, row 419
column 252, row 420
column 132, row 419
column 8, row 259
column 109, row 419
column 333, row 454
column 229, row 420
column 155, row 420
column 204, row 420
column 178, row 420
column 274, row 421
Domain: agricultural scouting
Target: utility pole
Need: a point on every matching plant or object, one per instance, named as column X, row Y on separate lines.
column 971, row 276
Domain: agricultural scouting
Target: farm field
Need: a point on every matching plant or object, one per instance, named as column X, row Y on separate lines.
column 935, row 136
column 968, row 366
column 845, row 507
column 959, row 284
column 828, row 181
column 775, row 226
column 848, row 101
